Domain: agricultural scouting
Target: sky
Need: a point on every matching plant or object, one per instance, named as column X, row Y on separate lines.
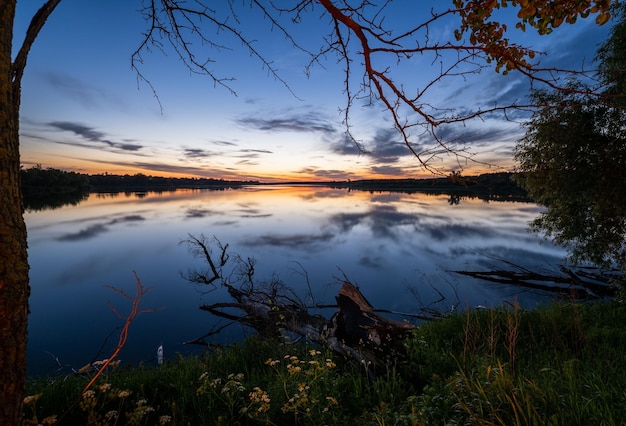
column 84, row 108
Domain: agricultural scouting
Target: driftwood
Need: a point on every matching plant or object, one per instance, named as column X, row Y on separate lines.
column 355, row 330
column 580, row 284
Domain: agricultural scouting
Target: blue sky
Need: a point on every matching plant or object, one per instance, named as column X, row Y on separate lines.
column 84, row 109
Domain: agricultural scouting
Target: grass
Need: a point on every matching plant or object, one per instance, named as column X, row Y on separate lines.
column 560, row 365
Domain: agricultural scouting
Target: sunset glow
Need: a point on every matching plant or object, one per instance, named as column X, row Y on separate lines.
column 85, row 110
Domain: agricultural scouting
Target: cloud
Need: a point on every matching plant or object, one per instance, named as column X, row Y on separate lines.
column 86, row 94
column 389, row 170
column 384, row 147
column 98, row 228
column 331, row 174
column 86, row 233
column 308, row 122
column 299, row 241
column 440, row 232
column 197, row 153
column 383, row 220
column 92, row 135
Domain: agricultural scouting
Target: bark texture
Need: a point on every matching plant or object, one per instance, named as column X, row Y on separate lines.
column 14, row 289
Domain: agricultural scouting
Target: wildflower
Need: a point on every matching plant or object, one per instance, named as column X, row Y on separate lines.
column 115, row 364
column 165, row 419
column 313, row 352
column 123, row 394
column 50, row 420
column 141, row 402
column 84, row 369
column 204, row 375
column 331, row 400
column 330, row 363
column 31, row 398
column 104, row 387
column 99, row 363
column 293, row 369
column 272, row 362
column 110, row 415
column 89, row 394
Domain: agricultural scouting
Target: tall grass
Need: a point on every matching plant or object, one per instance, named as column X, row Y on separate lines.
column 562, row 365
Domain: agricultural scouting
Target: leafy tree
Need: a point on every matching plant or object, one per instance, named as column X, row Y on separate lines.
column 573, row 160
column 357, row 34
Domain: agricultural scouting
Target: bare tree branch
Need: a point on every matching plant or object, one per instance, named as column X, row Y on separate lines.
column 35, row 26
column 371, row 53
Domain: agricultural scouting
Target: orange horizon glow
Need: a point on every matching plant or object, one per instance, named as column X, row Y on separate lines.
column 268, row 177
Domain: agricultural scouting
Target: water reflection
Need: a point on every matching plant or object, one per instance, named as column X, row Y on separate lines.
column 393, row 245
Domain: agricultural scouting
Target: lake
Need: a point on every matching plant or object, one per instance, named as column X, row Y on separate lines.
column 399, row 248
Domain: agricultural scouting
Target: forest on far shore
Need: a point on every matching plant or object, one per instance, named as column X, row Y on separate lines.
column 37, row 181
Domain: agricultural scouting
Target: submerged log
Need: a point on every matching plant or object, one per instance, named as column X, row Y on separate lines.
column 356, row 330
column 574, row 284
column 272, row 309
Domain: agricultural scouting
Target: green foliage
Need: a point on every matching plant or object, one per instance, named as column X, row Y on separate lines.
column 573, row 160
column 562, row 365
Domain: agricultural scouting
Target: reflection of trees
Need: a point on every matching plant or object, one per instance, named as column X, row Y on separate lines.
column 454, row 199
column 50, row 201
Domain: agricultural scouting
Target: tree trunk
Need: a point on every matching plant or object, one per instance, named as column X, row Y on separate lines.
column 14, row 289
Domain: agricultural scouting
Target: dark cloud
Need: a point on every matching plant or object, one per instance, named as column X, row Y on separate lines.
column 299, row 241
column 129, row 218
column 369, row 262
column 198, row 213
column 306, row 123
column 476, row 137
column 389, row 170
column 385, row 147
column 92, row 135
column 256, row 151
column 332, row 174
column 224, row 143
column 98, row 228
column 85, row 234
column 441, row 232
column 383, row 220
column 197, row 153
column 346, row 146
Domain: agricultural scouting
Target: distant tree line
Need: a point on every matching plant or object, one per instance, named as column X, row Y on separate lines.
column 52, row 188
column 37, row 179
column 494, row 186
column 50, row 180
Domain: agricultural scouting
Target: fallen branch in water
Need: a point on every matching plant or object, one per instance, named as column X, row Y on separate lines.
column 356, row 329
column 580, row 284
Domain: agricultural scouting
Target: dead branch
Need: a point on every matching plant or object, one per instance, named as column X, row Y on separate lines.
column 578, row 285
column 135, row 300
column 273, row 310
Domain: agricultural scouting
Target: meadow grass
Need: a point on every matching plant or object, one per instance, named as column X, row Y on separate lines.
column 564, row 364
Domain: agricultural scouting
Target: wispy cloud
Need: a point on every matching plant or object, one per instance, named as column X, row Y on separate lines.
column 94, row 230
column 85, row 93
column 305, row 122
column 90, row 134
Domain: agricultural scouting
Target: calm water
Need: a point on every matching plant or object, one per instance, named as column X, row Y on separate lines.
column 399, row 248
